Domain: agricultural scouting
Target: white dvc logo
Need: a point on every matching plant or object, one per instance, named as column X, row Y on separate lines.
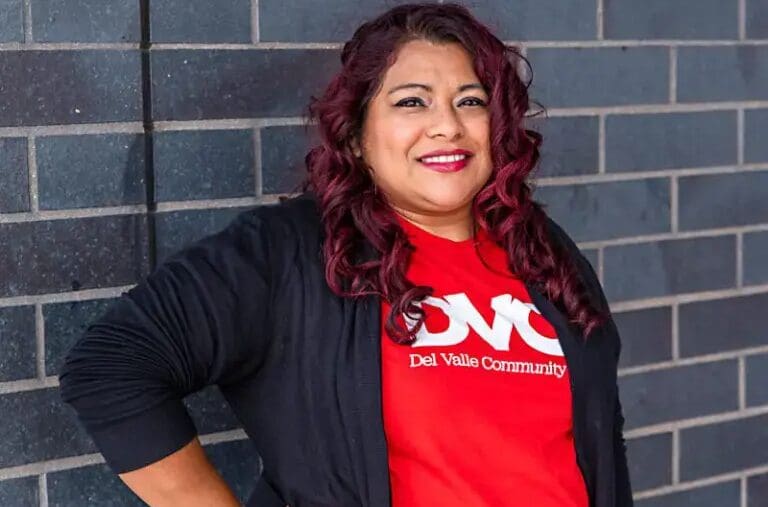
column 509, row 313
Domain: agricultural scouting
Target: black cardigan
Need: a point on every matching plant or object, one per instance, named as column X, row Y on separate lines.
column 249, row 309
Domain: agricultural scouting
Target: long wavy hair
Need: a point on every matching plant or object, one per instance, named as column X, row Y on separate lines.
column 354, row 214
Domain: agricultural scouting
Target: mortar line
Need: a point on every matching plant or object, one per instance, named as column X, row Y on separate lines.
column 34, row 191
column 65, row 297
column 82, row 128
column 601, row 119
column 740, row 127
column 39, row 341
column 673, row 74
column 42, row 484
column 742, row 20
column 255, row 35
column 67, row 46
column 675, row 332
column 743, row 492
column 697, row 483
column 21, row 386
column 27, row 15
column 674, row 206
column 600, row 20
column 676, row 456
column 695, row 422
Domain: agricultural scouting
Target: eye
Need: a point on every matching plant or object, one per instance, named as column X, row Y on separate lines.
column 479, row 102
column 408, row 100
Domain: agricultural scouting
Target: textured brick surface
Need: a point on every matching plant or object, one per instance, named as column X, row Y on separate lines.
column 42, row 428
column 85, row 21
column 207, row 164
column 668, row 394
column 662, row 19
column 646, row 335
column 757, row 490
column 723, row 200
column 14, row 179
column 609, row 210
column 723, row 324
column 757, row 379
column 238, row 463
column 64, row 323
column 201, row 21
column 756, row 258
column 17, row 337
column 565, row 77
column 55, row 87
column 282, row 158
column 723, row 447
column 208, row 84
column 645, row 142
column 661, row 268
column 91, row 485
column 21, row 492
column 715, row 495
column 569, row 147
column 90, row 171
column 11, row 21
column 177, row 229
column 210, row 411
column 757, row 20
column 650, row 460
column 734, row 73
column 755, row 126
column 71, row 254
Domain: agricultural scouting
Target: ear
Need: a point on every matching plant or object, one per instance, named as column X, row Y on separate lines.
column 355, row 145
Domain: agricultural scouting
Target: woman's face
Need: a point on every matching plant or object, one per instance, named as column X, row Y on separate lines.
column 430, row 100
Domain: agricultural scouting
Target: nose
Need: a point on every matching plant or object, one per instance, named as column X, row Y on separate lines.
column 446, row 122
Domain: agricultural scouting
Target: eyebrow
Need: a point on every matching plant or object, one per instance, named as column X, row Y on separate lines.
column 468, row 86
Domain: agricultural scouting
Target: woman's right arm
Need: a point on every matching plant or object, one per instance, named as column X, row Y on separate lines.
column 200, row 318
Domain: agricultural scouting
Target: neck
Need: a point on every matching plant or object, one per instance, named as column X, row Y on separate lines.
column 456, row 226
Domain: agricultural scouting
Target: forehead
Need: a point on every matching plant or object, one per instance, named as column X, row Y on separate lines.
column 429, row 63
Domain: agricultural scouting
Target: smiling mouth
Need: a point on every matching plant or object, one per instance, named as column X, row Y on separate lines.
column 445, row 164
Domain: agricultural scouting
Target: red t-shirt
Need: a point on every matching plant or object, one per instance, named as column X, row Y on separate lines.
column 478, row 411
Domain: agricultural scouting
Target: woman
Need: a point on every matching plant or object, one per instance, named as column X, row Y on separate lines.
column 411, row 330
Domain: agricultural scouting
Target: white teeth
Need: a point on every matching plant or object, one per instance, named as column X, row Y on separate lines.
column 443, row 159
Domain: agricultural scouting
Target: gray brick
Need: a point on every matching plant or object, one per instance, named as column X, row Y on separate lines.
column 650, row 461
column 535, row 20
column 584, row 77
column 663, row 268
column 85, row 21
column 238, row 463
column 755, row 127
column 19, row 492
column 609, row 210
column 642, row 142
column 569, row 147
column 591, row 255
column 177, row 229
column 90, row 170
column 300, row 21
column 757, row 379
column 41, row 428
column 210, row 411
column 204, row 164
column 201, row 21
column 724, row 494
column 90, row 485
column 11, row 21
column 756, row 258
column 17, row 336
column 64, row 323
column 282, row 158
column 723, row 324
column 209, row 84
column 723, row 447
column 71, row 254
column 14, row 179
column 662, row 19
column 757, row 490
column 723, row 200
column 757, row 21
column 69, row 87
column 666, row 395
column 646, row 336
column 722, row 73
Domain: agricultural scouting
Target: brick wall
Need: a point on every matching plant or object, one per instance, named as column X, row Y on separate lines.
column 128, row 129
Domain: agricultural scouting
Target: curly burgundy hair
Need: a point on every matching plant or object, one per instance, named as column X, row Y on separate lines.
column 354, row 214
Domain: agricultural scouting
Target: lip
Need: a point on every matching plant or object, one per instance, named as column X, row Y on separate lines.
column 446, row 167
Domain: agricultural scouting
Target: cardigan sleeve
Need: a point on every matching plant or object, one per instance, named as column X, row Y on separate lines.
column 590, row 278
column 199, row 318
